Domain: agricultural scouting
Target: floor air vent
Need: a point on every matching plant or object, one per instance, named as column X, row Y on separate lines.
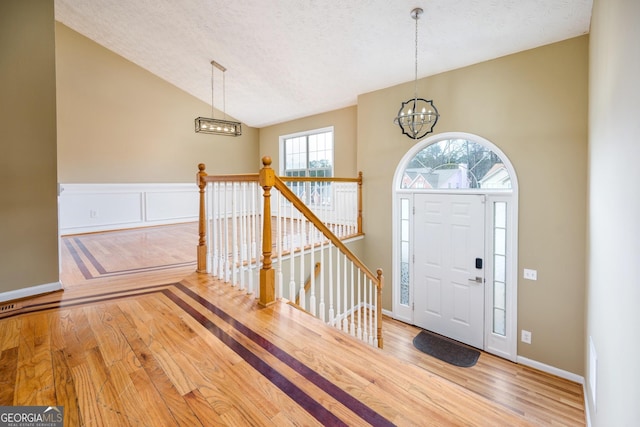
column 5, row 308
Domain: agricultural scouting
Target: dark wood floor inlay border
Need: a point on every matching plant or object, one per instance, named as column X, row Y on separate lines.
column 76, row 258
column 103, row 272
column 355, row 405
column 309, row 404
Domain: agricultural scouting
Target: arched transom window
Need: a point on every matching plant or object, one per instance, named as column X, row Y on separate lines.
column 445, row 167
column 456, row 164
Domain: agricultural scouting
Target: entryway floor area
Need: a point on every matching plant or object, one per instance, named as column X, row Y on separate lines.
column 112, row 261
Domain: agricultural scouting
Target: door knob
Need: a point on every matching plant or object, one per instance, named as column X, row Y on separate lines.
column 477, row 279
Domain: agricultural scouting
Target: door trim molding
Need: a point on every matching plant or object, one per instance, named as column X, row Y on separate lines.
column 505, row 347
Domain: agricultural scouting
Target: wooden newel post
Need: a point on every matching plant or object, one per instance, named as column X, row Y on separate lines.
column 379, row 308
column 267, row 274
column 202, row 221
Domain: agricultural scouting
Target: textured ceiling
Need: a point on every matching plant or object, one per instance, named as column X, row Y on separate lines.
column 287, row 59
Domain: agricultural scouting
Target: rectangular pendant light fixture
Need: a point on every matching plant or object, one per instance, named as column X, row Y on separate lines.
column 213, row 125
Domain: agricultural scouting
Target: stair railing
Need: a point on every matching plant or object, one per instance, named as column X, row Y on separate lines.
column 242, row 228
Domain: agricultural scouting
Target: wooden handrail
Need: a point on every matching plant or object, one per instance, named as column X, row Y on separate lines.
column 377, row 278
column 357, row 180
column 267, row 179
column 319, row 179
column 245, row 177
column 309, row 215
column 202, row 179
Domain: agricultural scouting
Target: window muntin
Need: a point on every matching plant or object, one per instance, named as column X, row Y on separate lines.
column 499, row 267
column 405, row 241
column 310, row 154
column 456, row 164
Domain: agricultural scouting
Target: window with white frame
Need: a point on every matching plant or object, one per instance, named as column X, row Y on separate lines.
column 309, row 154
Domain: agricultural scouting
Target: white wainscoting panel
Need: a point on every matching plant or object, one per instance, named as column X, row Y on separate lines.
column 172, row 205
column 86, row 208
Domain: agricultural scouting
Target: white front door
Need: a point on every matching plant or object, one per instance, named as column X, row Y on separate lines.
column 449, row 265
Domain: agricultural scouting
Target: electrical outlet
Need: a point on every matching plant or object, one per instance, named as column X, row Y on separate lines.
column 526, row 337
column 530, row 274
column 93, row 213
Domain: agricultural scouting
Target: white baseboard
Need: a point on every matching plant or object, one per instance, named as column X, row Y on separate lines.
column 587, row 414
column 30, row 291
column 551, row 370
column 388, row 313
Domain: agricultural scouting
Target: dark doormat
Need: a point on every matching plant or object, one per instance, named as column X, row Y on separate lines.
column 446, row 349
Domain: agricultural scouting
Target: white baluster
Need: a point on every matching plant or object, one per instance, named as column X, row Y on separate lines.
column 241, row 242
column 226, row 236
column 375, row 315
column 219, row 246
column 234, row 234
column 321, row 307
column 292, row 282
column 337, row 203
column 258, row 230
column 248, row 236
column 216, row 227
column 344, row 211
column 278, row 245
column 365, row 329
column 301, row 293
column 252, row 236
column 208, row 209
column 332, row 310
column 338, row 292
column 370, row 311
column 312, row 264
column 345, row 319
column 359, row 327
column 352, row 328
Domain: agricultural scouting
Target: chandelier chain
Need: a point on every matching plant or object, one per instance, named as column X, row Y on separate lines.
column 415, row 85
column 416, row 117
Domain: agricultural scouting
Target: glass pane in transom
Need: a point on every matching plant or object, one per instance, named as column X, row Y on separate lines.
column 456, row 164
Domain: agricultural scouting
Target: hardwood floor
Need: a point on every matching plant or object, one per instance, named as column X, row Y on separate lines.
column 138, row 338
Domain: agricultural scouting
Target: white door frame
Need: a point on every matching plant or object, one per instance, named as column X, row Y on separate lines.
column 503, row 346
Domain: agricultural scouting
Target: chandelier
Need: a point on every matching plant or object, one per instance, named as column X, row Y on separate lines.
column 213, row 125
column 417, row 116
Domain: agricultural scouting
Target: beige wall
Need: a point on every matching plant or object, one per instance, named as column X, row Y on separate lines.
column 118, row 123
column 345, row 134
column 613, row 293
column 533, row 106
column 28, row 211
